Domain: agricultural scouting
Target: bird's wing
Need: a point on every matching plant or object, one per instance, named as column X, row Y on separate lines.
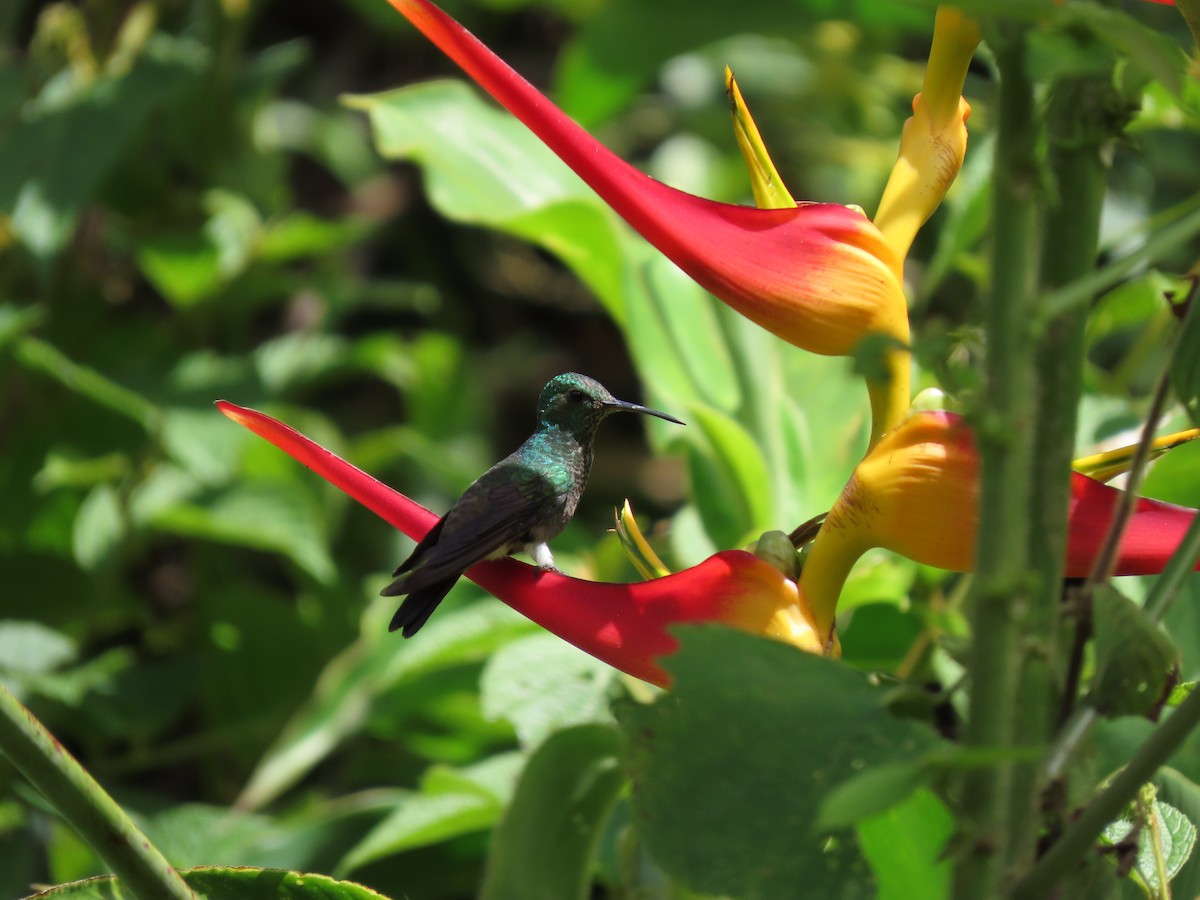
column 499, row 508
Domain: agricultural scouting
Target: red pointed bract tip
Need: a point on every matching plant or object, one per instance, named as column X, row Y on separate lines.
column 393, row 507
column 624, row 625
column 820, row 276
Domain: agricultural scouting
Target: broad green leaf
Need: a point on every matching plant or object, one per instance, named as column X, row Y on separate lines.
column 451, row 803
column 484, row 167
column 693, row 332
column 737, row 492
column 781, row 730
column 1135, row 659
column 906, row 847
column 226, row 884
column 541, row 684
column 544, row 845
column 99, row 527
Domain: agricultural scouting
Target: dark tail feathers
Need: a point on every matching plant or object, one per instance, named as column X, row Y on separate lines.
column 418, row 606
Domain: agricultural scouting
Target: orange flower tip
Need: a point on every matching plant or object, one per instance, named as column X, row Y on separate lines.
column 232, row 411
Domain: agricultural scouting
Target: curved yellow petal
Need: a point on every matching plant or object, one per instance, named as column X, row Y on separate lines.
column 934, row 141
column 769, row 192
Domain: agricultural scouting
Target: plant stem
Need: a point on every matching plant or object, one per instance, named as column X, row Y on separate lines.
column 1002, row 585
column 1072, row 226
column 1079, row 836
column 84, row 804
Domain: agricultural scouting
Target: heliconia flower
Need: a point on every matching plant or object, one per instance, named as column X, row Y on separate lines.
column 917, row 493
column 624, row 625
column 818, row 275
column 934, row 141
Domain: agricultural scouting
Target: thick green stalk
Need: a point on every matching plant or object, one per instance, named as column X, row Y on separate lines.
column 1005, row 436
column 86, row 807
column 1076, row 121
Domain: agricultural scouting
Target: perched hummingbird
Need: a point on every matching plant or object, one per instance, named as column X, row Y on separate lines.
column 521, row 502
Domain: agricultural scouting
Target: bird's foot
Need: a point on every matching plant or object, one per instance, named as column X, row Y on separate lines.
column 541, row 555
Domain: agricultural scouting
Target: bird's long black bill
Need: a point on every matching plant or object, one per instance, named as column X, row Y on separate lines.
column 622, row 406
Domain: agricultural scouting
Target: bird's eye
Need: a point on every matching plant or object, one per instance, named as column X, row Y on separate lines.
column 576, row 396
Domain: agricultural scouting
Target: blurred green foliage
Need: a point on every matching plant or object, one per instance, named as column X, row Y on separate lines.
column 231, row 198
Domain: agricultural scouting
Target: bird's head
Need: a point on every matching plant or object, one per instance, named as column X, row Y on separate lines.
column 578, row 404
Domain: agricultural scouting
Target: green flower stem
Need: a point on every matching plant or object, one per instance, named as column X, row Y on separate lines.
column 1082, row 833
column 143, row 871
column 1005, row 435
column 1076, row 121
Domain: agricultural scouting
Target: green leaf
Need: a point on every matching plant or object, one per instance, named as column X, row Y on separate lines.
column 266, row 517
column 692, row 330
column 87, row 382
column 1135, row 659
column 451, row 803
column 484, row 167
column 544, row 846
column 184, row 268
column 292, row 358
column 906, row 847
column 1176, row 836
column 871, row 793
column 1184, row 795
column 1152, row 51
column 31, row 647
column 769, row 732
column 541, row 684
column 736, row 499
column 99, row 527
column 47, row 174
column 227, row 884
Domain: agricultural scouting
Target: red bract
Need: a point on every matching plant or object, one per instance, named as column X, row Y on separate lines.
column 818, row 275
column 625, row 625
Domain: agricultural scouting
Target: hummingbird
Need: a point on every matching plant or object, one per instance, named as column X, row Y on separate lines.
column 519, row 503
